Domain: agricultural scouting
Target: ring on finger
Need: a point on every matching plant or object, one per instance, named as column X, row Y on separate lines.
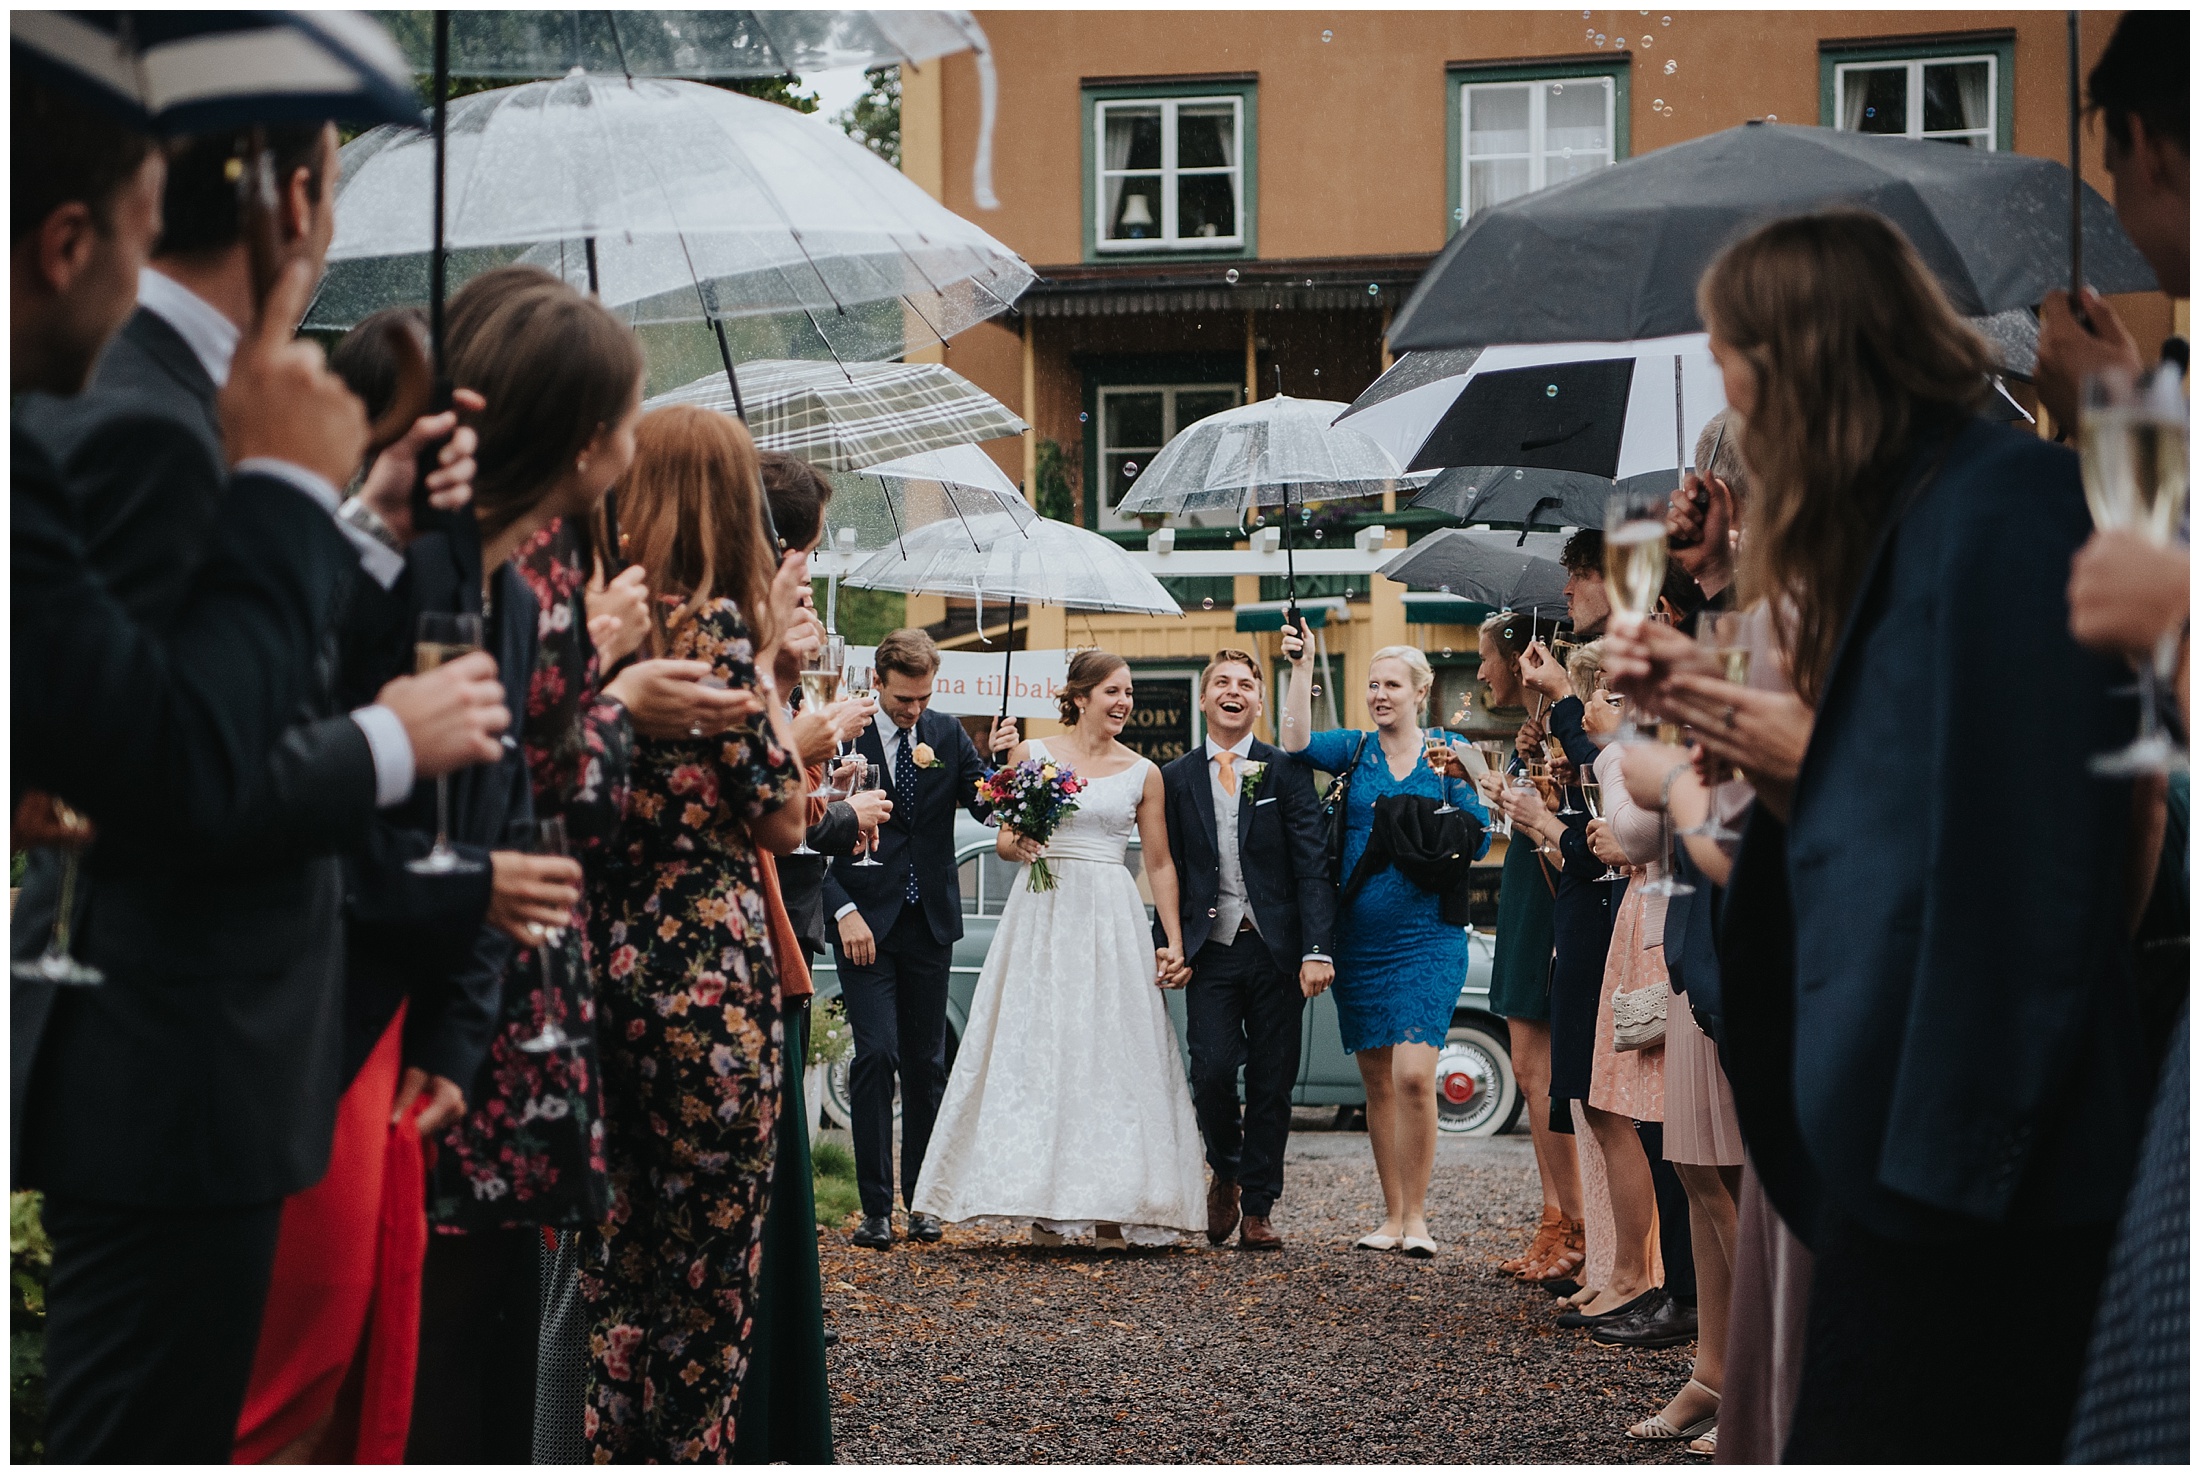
column 1726, row 718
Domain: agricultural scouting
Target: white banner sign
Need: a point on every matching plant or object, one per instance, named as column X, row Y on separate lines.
column 969, row 683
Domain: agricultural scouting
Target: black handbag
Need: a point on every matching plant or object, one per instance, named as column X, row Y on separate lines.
column 1333, row 812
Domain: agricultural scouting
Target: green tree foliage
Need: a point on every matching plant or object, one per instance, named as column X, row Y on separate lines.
column 1053, row 496
column 865, row 614
column 874, row 119
column 30, row 1257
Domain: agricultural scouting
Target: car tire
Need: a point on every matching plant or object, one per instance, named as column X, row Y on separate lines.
column 837, row 1104
column 1476, row 1094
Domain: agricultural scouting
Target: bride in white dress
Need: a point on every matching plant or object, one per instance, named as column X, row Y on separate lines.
column 1067, row 1108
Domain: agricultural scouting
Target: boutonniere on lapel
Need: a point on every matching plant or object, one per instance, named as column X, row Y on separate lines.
column 923, row 756
column 1250, row 785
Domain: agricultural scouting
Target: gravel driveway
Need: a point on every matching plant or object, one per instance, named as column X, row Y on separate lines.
column 985, row 1349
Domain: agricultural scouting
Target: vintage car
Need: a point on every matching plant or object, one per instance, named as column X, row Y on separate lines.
column 1475, row 1091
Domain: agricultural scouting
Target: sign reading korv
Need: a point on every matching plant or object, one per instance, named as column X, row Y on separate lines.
column 969, row 683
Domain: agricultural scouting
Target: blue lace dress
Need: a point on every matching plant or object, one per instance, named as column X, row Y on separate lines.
column 1399, row 967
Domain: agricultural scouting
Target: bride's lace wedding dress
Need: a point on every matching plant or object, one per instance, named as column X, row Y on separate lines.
column 1067, row 1105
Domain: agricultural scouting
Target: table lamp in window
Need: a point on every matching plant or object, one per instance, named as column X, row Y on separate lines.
column 1137, row 218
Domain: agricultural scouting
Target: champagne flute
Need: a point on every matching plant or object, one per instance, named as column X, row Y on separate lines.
column 1494, row 758
column 820, row 680
column 442, row 638
column 1634, row 564
column 1724, row 636
column 57, row 964
column 550, row 840
column 2132, row 450
column 1436, row 753
column 1557, row 752
column 874, row 777
column 1592, row 794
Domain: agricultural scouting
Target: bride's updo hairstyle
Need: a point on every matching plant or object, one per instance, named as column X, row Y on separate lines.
column 1087, row 669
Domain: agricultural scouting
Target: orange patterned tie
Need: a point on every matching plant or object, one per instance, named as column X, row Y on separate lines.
column 1228, row 760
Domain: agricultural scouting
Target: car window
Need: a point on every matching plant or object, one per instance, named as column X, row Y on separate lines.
column 966, row 877
column 1000, row 875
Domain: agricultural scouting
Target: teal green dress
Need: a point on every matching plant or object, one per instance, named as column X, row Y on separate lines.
column 1520, row 971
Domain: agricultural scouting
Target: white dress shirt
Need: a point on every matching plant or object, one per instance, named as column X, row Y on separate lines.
column 212, row 339
column 1232, row 906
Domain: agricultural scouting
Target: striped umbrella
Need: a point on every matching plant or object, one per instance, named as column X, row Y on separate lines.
column 204, row 71
column 847, row 417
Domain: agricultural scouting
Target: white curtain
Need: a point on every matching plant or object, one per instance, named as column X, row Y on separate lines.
column 1855, row 85
column 1118, row 142
column 1974, row 93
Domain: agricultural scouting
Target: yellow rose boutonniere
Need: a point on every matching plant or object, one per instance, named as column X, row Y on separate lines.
column 923, row 756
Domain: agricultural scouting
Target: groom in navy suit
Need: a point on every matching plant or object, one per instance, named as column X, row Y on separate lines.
column 1256, row 905
column 895, row 926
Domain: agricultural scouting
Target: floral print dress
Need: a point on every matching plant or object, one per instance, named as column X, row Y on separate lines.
column 692, row 1061
column 530, row 1151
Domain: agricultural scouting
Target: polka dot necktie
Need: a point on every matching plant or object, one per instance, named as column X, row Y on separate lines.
column 905, row 802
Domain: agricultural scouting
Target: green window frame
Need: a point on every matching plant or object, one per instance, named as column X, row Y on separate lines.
column 1840, row 60
column 1613, row 70
column 1239, row 94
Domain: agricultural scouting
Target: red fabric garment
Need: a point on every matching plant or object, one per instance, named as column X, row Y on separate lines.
column 343, row 1307
column 794, row 967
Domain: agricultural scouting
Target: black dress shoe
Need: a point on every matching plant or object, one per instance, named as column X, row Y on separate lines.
column 1647, row 1299
column 876, row 1232
column 1560, row 1287
column 926, row 1227
column 1667, row 1324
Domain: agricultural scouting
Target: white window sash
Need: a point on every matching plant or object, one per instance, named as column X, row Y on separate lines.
column 1170, row 175
column 1913, row 70
column 1538, row 153
column 1169, row 428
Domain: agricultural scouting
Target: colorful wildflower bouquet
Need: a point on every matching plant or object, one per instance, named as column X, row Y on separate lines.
column 1033, row 798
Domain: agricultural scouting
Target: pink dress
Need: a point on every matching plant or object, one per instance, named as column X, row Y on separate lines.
column 1630, row 1083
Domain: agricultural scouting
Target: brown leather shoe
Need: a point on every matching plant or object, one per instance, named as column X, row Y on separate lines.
column 1222, row 1210
column 1254, row 1234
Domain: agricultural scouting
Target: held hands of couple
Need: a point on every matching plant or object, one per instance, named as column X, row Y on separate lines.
column 1315, row 976
column 531, row 894
column 1170, row 971
column 452, row 715
column 281, row 401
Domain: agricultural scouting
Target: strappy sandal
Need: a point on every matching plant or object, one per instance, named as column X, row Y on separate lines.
column 1658, row 1429
column 1546, row 1236
column 1707, row 1447
column 1566, row 1259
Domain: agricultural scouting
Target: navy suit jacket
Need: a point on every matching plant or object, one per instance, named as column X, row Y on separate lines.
column 921, row 837
column 1282, row 855
column 1947, row 1010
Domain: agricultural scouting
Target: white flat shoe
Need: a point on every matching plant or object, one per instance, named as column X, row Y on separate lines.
column 1376, row 1242
column 1418, row 1247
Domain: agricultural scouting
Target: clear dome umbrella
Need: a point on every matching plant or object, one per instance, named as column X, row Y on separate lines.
column 675, row 202
column 1280, row 452
column 847, row 417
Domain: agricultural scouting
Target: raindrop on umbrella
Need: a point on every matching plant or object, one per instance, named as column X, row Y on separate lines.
column 1231, row 276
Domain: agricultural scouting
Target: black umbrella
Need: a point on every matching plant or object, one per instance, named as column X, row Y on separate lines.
column 1503, row 570
column 1528, row 497
column 1616, row 254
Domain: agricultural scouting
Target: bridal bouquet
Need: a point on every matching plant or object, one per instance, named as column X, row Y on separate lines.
column 1033, row 798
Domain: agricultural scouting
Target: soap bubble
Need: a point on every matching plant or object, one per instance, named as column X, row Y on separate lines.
column 1326, row 35
column 1231, row 276
column 1317, row 535
column 1459, row 215
column 1559, row 87
column 1671, row 66
column 1600, row 42
column 1447, row 656
column 1587, row 13
column 1207, row 604
column 1130, row 468
column 1317, row 691
column 1646, row 40
column 1665, row 20
column 1443, row 588
column 1550, row 391
column 1373, row 290
column 1317, row 373
column 1082, row 417
column 1772, row 117
column 1309, row 281
column 1519, row 475
column 1658, row 104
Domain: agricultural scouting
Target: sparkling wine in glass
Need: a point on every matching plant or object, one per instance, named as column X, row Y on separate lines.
column 1436, row 752
column 1592, row 794
column 550, row 840
column 2132, row 443
column 873, row 777
column 1557, row 753
column 1634, row 563
column 443, row 638
column 1724, row 637
column 57, row 964
column 1494, row 758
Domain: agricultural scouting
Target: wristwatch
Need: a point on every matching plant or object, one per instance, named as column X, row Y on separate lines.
column 359, row 515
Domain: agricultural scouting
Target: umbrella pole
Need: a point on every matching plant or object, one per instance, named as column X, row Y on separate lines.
column 1290, row 569
column 1008, row 655
column 740, row 411
column 461, row 526
column 2077, row 183
column 595, row 289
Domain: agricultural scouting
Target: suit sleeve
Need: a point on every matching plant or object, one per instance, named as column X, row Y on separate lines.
column 144, row 489
column 166, row 737
column 970, row 769
column 1566, row 727
column 836, row 833
column 318, row 795
column 836, row 896
column 1302, row 823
